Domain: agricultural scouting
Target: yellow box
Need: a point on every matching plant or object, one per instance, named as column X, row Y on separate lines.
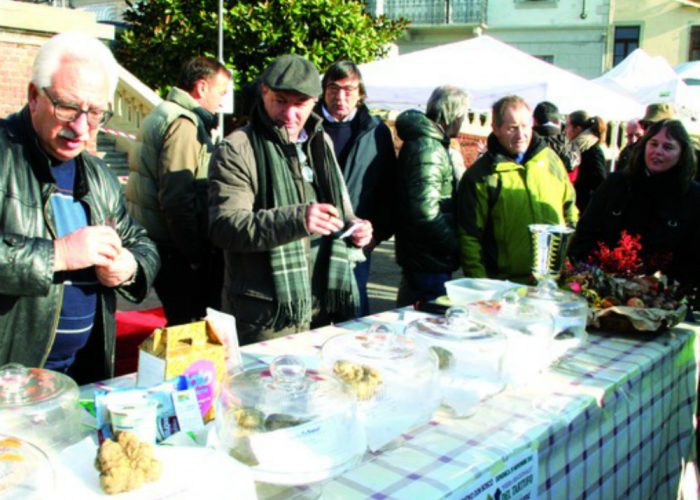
column 191, row 350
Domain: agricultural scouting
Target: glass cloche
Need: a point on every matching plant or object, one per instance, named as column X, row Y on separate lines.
column 290, row 425
column 394, row 379
column 41, row 406
column 470, row 355
column 529, row 330
column 26, row 472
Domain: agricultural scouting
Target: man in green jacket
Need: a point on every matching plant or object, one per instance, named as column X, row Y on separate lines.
column 281, row 212
column 519, row 181
column 167, row 189
column 66, row 241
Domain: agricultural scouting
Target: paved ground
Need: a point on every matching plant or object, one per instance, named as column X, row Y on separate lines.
column 383, row 283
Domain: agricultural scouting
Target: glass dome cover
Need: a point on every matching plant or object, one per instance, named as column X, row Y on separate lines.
column 512, row 313
column 25, row 470
column 470, row 355
column 530, row 332
column 20, row 386
column 456, row 325
column 289, row 424
column 39, row 405
column 393, row 377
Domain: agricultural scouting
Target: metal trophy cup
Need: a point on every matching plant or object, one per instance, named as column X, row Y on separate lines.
column 549, row 246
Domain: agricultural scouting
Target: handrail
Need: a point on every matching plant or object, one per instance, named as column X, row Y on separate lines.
column 133, row 101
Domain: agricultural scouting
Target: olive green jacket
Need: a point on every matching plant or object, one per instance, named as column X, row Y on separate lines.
column 30, row 292
column 496, row 201
column 167, row 192
column 426, row 237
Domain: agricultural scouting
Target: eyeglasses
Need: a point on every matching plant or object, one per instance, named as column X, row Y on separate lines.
column 349, row 89
column 69, row 112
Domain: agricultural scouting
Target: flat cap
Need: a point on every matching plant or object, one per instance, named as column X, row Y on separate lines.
column 293, row 73
column 657, row 112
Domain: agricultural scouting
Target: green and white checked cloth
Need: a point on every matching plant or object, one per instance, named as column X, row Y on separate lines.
column 612, row 420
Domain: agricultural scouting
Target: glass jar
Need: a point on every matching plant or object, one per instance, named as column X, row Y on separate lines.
column 394, row 379
column 41, row 406
column 470, row 355
column 290, row 425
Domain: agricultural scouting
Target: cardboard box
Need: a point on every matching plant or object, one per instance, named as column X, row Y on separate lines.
column 191, row 350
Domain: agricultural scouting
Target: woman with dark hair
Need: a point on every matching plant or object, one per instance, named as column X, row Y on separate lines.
column 655, row 198
column 585, row 134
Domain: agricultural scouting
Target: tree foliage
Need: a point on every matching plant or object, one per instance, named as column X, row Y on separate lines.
column 164, row 33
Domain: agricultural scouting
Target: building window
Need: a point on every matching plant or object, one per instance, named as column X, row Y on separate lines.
column 549, row 59
column 694, row 52
column 626, row 41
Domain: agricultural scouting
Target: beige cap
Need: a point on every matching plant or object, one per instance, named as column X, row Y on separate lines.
column 657, row 112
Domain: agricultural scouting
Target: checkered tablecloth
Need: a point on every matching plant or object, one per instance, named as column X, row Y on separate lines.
column 613, row 419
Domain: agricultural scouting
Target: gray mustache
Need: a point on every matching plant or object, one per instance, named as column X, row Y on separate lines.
column 67, row 134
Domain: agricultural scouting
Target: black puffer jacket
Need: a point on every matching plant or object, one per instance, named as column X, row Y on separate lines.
column 426, row 237
column 30, row 292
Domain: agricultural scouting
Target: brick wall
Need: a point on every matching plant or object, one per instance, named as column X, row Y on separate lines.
column 16, row 70
column 469, row 145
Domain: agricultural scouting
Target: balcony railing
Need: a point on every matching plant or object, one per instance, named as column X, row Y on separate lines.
column 432, row 11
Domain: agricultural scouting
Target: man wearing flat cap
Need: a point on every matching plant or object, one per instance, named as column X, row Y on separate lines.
column 279, row 209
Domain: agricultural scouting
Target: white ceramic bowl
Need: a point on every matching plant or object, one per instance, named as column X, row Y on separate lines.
column 466, row 290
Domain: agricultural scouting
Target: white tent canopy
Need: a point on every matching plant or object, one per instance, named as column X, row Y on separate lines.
column 650, row 80
column 488, row 69
column 689, row 72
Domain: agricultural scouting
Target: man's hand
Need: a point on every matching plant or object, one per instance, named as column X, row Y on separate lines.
column 85, row 247
column 322, row 218
column 118, row 270
column 363, row 234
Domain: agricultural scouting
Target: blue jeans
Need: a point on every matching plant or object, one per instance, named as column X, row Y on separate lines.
column 362, row 277
column 418, row 286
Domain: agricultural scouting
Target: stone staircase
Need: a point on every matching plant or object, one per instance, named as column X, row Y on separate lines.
column 116, row 160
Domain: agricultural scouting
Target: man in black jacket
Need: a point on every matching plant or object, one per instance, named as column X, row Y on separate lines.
column 548, row 126
column 365, row 151
column 66, row 241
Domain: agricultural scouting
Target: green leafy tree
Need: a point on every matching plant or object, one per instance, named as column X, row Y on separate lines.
column 164, row 33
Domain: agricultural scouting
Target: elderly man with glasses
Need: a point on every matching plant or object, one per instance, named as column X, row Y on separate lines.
column 66, row 241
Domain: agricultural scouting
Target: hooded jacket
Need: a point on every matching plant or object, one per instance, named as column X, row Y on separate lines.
column 426, row 237
column 499, row 198
column 30, row 293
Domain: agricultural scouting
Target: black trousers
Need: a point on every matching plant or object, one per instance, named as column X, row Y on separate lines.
column 184, row 292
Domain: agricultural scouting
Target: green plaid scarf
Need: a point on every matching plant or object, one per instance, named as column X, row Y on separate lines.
column 290, row 262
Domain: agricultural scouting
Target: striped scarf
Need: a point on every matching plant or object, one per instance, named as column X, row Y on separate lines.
column 290, row 262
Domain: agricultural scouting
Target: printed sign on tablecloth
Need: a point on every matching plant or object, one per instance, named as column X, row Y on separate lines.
column 517, row 480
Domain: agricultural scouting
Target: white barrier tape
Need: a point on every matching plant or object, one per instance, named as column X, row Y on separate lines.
column 118, row 133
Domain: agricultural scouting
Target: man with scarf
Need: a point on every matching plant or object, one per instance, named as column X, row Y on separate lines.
column 519, row 181
column 167, row 189
column 281, row 212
